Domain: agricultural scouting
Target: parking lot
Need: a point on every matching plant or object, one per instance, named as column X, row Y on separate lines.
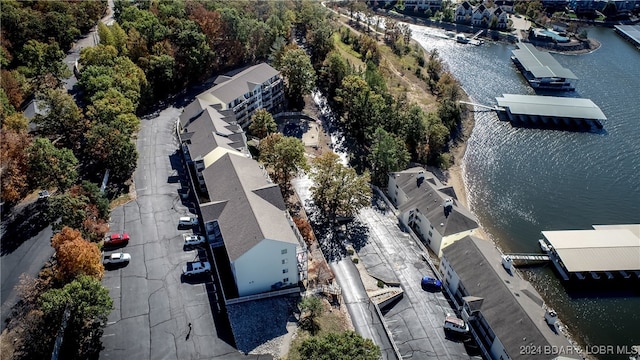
column 158, row 314
column 416, row 321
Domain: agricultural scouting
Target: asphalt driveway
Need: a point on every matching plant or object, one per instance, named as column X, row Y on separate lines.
column 156, row 314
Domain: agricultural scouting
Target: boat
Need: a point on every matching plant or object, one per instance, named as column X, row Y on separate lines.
column 462, row 39
column 543, row 246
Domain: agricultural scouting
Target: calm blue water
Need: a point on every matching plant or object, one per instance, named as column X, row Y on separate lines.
column 523, row 181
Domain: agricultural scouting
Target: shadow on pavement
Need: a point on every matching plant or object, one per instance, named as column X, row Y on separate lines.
column 23, row 225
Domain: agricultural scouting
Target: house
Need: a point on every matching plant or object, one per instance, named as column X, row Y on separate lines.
column 246, row 214
column 422, row 5
column 257, row 87
column 206, row 132
column 464, row 11
column 505, row 5
column 429, row 208
column 482, row 15
column 506, row 315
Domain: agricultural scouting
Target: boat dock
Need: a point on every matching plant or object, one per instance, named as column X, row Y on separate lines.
column 550, row 112
column 631, row 33
column 541, row 70
column 607, row 252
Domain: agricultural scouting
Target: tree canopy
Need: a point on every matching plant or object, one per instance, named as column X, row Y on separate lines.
column 339, row 346
column 262, row 123
column 284, row 156
column 337, row 190
column 49, row 166
column 388, row 154
column 298, row 72
column 76, row 256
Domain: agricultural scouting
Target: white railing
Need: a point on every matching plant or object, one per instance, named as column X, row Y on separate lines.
column 262, row 296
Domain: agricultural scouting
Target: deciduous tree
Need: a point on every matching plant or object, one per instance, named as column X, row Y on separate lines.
column 89, row 305
column 49, row 166
column 262, row 124
column 337, row 190
column 296, row 68
column 284, row 155
column 43, row 64
column 388, row 154
column 311, row 307
column 63, row 119
column 78, row 257
column 14, row 164
column 339, row 346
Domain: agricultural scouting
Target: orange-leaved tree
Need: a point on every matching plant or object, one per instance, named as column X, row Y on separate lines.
column 76, row 256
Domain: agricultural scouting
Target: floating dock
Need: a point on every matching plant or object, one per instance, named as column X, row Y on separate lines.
column 631, row 33
column 550, row 112
column 607, row 252
column 541, row 70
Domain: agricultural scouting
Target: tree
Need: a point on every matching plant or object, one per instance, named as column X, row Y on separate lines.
column 78, row 256
column 43, row 63
column 89, row 305
column 65, row 235
column 63, row 119
column 284, row 155
column 262, row 123
column 299, row 74
column 310, row 308
column 339, row 346
column 83, row 207
column 49, row 166
column 334, row 70
column 337, row 190
column 14, row 164
column 16, row 122
column 388, row 154
column 108, row 148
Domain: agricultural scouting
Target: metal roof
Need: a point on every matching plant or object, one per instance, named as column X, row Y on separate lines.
column 540, row 64
column 602, row 249
column 561, row 107
column 632, row 31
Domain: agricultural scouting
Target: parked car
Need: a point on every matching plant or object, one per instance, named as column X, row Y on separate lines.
column 187, row 221
column 196, row 268
column 116, row 258
column 429, row 283
column 43, row 195
column 193, row 240
column 455, row 325
column 116, row 239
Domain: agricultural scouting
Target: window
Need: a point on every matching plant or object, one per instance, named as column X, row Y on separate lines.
column 285, row 280
column 430, row 233
column 283, row 251
column 284, row 261
column 284, row 271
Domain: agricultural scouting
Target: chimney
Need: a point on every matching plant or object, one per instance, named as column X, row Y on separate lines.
column 420, row 178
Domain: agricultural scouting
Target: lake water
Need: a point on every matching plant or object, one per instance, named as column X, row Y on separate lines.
column 523, row 181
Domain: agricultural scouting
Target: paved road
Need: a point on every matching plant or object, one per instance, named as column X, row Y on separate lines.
column 363, row 316
column 153, row 307
column 416, row 320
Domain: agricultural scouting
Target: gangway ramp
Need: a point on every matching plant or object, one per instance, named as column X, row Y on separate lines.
column 527, row 259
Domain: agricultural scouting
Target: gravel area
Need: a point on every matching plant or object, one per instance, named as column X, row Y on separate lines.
column 260, row 326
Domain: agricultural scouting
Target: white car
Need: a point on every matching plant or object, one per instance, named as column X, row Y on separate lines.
column 186, row 221
column 117, row 258
column 456, row 325
column 196, row 268
column 192, row 240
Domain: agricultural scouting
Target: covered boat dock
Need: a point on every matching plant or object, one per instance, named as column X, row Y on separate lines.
column 606, row 252
column 541, row 70
column 630, row 33
column 550, row 112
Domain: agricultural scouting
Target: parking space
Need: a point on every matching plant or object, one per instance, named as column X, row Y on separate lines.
column 157, row 314
column 416, row 321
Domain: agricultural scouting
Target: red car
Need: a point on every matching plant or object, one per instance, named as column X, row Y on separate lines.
column 116, row 239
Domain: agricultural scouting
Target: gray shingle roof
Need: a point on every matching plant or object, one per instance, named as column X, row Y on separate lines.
column 511, row 306
column 556, row 106
column 253, row 207
column 206, row 127
column 229, row 88
column 429, row 198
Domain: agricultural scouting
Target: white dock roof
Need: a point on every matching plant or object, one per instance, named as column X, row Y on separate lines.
column 554, row 106
column 541, row 64
column 606, row 248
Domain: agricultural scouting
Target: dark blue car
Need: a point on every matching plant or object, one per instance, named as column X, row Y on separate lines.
column 429, row 283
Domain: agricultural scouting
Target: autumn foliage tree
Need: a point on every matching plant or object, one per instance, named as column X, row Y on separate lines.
column 76, row 256
column 13, row 164
column 284, row 155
